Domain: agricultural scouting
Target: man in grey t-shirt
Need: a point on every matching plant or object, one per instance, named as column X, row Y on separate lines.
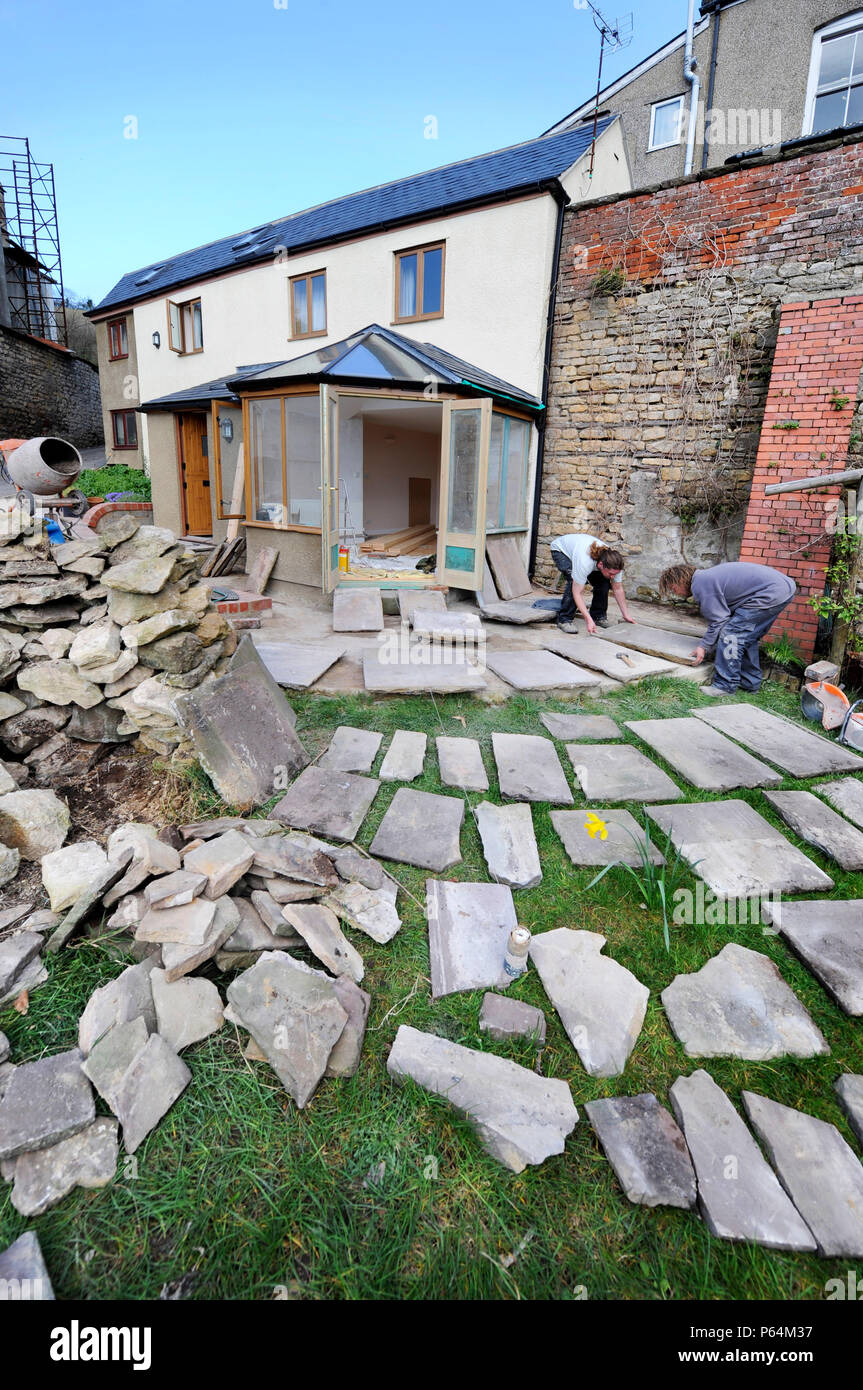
column 741, row 602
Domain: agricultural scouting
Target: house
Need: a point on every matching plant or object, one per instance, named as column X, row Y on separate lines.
column 387, row 351
column 745, row 74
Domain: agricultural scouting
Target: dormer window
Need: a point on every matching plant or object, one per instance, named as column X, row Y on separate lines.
column 835, row 94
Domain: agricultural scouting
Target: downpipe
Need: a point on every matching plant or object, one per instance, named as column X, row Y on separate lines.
column 690, row 72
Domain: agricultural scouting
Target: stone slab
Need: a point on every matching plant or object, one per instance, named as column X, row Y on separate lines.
column 520, row 611
column 828, row 936
column 849, row 1089
column 619, row 772
column 425, row 674
column 88, row 1159
column 469, row 926
column 319, row 927
column 653, row 641
column 794, row 749
column 504, row 1018
column 750, row 1205
column 736, row 851
column 297, row 665
column 820, row 1172
column 738, row 1005
column 646, row 1149
column 45, row 1101
column 23, row 1271
column 422, row 829
column 128, row 996
column 535, row 669
column 405, row 758
column 430, row 625
column 154, row 1080
column 367, row 910
column 510, row 576
column 846, row 795
column 187, row 1010
column 431, row 600
column 610, row 658
column 327, row 803
column 597, row 727
column 509, row 843
column 111, row 1058
column 587, row 849
column 223, row 859
column 600, row 1003
column 345, row 1056
column 820, row 826
column 351, row 750
column 701, row 755
column 460, row 763
column 521, row 1118
column 529, row 769
column 15, row 953
column 181, row 959
column 358, row 610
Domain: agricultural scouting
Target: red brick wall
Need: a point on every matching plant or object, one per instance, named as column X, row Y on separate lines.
column 816, row 363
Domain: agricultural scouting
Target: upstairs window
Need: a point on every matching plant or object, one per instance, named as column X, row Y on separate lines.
column 185, row 327
column 124, row 427
column 419, row 283
column 118, row 341
column 835, row 93
column 666, row 123
column 309, row 305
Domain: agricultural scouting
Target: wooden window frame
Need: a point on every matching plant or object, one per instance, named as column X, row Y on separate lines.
column 308, row 278
column 123, row 325
column 420, row 252
column 180, row 305
column 114, row 415
column 250, row 519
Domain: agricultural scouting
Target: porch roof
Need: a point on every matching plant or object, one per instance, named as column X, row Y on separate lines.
column 199, row 397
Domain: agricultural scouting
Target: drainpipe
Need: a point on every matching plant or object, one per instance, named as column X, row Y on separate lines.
column 690, row 64
column 560, row 197
column 711, row 85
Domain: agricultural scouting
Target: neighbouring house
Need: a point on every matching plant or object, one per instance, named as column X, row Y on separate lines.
column 387, row 351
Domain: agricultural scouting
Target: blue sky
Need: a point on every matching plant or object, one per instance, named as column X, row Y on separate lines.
column 250, row 110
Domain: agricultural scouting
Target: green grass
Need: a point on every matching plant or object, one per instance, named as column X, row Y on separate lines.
column 238, row 1193
column 116, row 477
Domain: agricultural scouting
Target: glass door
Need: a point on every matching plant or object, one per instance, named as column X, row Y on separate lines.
column 329, row 487
column 464, row 478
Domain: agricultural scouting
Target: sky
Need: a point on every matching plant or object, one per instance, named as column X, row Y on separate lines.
column 171, row 123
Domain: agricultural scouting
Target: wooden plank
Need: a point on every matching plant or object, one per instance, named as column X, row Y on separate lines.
column 851, row 475
column 237, row 496
column 388, row 538
column 507, row 567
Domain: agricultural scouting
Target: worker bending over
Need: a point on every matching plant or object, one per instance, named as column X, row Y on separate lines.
column 584, row 560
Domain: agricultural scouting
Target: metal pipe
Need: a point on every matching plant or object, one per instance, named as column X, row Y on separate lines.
column 711, row 84
column 690, row 64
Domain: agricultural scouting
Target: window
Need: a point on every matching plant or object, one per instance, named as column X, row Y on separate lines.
column 118, row 342
column 666, row 123
column 506, row 491
column 125, row 429
column 185, row 327
column 835, row 94
column 285, row 461
column 309, row 305
column 419, row 283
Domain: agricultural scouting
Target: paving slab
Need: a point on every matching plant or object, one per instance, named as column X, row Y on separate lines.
column 653, row 641
column 460, row 763
column 510, row 576
column 621, row 663
column 297, row 665
column 600, row 1003
column 45, row 1101
column 818, row 825
column 738, row 1005
column 520, row 611
column 846, row 795
column 782, row 742
column 521, row 1118
column 702, row 756
column 646, row 1149
column 739, row 1195
column 431, row 625
column 88, row 1159
column 175, row 890
column 113, row 1055
column 188, row 925
column 597, row 727
column 153, row 1081
column 296, row 857
column 828, row 936
column 820, row 1172
column 736, row 851
column 368, row 910
column 529, row 769
column 849, row 1089
column 504, row 1018
column 619, row 772
column 355, row 867
column 469, row 926
column 129, row 995
column 358, row 610
column 405, row 758
column 431, row 600
column 509, row 843
column 319, row 927
column 187, row 1010
column 351, row 750
column 224, row 860
column 326, row 802
column 181, row 959
column 584, row 844
column 535, row 669
column 422, row 829
column 424, row 673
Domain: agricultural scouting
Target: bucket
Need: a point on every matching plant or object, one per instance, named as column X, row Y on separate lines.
column 44, row 466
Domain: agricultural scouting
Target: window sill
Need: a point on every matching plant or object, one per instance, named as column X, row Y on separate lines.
column 302, row 337
column 122, row 357
column 278, row 526
column 126, row 447
column 417, row 318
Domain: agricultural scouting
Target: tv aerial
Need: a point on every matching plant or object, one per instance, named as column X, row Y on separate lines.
column 612, row 38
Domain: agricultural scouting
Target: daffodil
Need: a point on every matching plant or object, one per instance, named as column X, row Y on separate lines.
column 594, row 826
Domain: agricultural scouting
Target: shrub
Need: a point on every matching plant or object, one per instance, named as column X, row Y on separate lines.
column 98, row 482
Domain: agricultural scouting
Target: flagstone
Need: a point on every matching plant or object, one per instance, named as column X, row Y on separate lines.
column 319, row 927
column 405, row 757
column 128, row 996
column 187, row 925
column 421, row 828
column 619, row 772
column 469, row 926
column 529, row 769
column 849, row 1089
column 175, row 890
column 504, row 1018
column 351, row 750
column 154, row 1080
column 23, row 1271
column 702, row 755
column 369, row 910
column 357, row 610
column 600, row 1003
column 345, row 1057
column 112, row 1056
column 846, row 795
column 15, row 953
column 828, row 937
column 44, row 1177
column 327, row 802
column 67, row 872
column 428, row 672
column 433, row 625
column 354, row 867
column 653, row 641
column 535, row 669
column 297, row 664
column 646, row 1149
column 180, row 960
column 460, row 763
column 224, row 860
column 187, row 1010
column 796, row 750
column 608, row 657
column 583, row 841
column 581, row 726
column 45, row 1101
column 509, row 843
column 295, row 857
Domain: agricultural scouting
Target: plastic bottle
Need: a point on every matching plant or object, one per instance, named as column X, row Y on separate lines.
column 515, row 959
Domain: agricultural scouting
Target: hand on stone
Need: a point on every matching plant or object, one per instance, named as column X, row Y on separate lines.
column 591, row 627
column 698, row 655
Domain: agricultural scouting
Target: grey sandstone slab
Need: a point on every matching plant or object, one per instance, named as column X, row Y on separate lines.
column 739, row 1195
column 535, row 669
column 504, row 1018
column 181, row 959
column 327, row 802
column 529, row 769
column 88, row 1159
column 351, row 750
column 319, row 928
column 253, row 932
column 469, row 926
column 45, row 1101
column 23, row 1271
column 187, row 1010
column 585, row 846
column 521, row 1118
column 820, row 1172
column 600, row 1003
column 432, row 625
column 828, row 935
column 653, row 641
column 405, row 757
column 187, row 925
column 849, row 1089
column 431, row 600
column 357, row 610
column 224, row 860
column 112, row 1057
column 422, row 829
column 702, row 755
column 426, row 672
column 608, row 657
column 368, row 910
column 581, row 726
column 345, row 1056
column 619, row 772
column 782, row 742
column 646, row 1149
column 294, row 856
column 297, row 664
column 461, row 765
column 126, row 997
column 846, row 795
column 15, row 953
column 818, row 825
column 153, row 1081
column 175, row 890
column 738, row 1005
column 509, row 843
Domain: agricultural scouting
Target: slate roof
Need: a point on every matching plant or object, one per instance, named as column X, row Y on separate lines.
column 485, row 178
column 217, row 390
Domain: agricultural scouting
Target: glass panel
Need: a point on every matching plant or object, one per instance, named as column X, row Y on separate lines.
column 432, row 281
column 857, row 68
column 333, row 503
column 829, row 112
column 515, row 497
column 303, row 449
column 495, row 465
column 319, row 303
column 854, row 113
column 131, row 428
column 407, row 286
column 265, row 424
column 197, row 327
column 301, row 306
column 666, row 123
column 229, row 422
column 464, row 469
column 175, row 334
column 837, row 56
column 119, row 431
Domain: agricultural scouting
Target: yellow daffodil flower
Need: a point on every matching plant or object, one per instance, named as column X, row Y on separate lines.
column 594, row 826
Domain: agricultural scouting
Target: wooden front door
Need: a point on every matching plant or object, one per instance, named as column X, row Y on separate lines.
column 194, row 473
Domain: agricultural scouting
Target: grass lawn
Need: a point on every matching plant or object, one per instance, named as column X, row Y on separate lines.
column 237, row 1193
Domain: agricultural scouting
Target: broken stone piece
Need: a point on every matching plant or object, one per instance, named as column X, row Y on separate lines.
column 186, row 1010
column 319, row 928
column 504, row 1018
column 15, row 953
column 87, row 1159
column 45, row 1101
column 646, row 1150
column 366, row 909
column 33, row 822
column 600, row 1003
column 113, row 1055
column 849, row 1089
column 59, row 683
column 127, row 996
column 69, row 871
column 149, row 1087
column 187, row 925
column 175, row 890
column 180, row 960
column 345, row 1056
column 23, row 1272
column 223, row 860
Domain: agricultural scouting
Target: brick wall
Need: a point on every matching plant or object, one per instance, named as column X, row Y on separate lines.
column 45, row 389
column 658, row 388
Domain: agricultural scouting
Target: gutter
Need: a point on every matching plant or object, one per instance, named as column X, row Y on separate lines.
column 690, row 65
column 717, row 18
column 561, row 198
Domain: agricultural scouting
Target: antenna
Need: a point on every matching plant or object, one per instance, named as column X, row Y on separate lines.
column 613, row 37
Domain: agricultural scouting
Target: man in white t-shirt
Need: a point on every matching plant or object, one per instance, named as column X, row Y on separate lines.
column 584, row 560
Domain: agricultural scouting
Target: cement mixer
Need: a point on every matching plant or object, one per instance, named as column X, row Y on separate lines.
column 44, row 470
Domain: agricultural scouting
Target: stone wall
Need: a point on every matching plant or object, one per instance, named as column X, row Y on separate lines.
column 665, row 328
column 45, row 389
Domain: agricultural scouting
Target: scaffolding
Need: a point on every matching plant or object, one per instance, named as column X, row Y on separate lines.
column 30, row 243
